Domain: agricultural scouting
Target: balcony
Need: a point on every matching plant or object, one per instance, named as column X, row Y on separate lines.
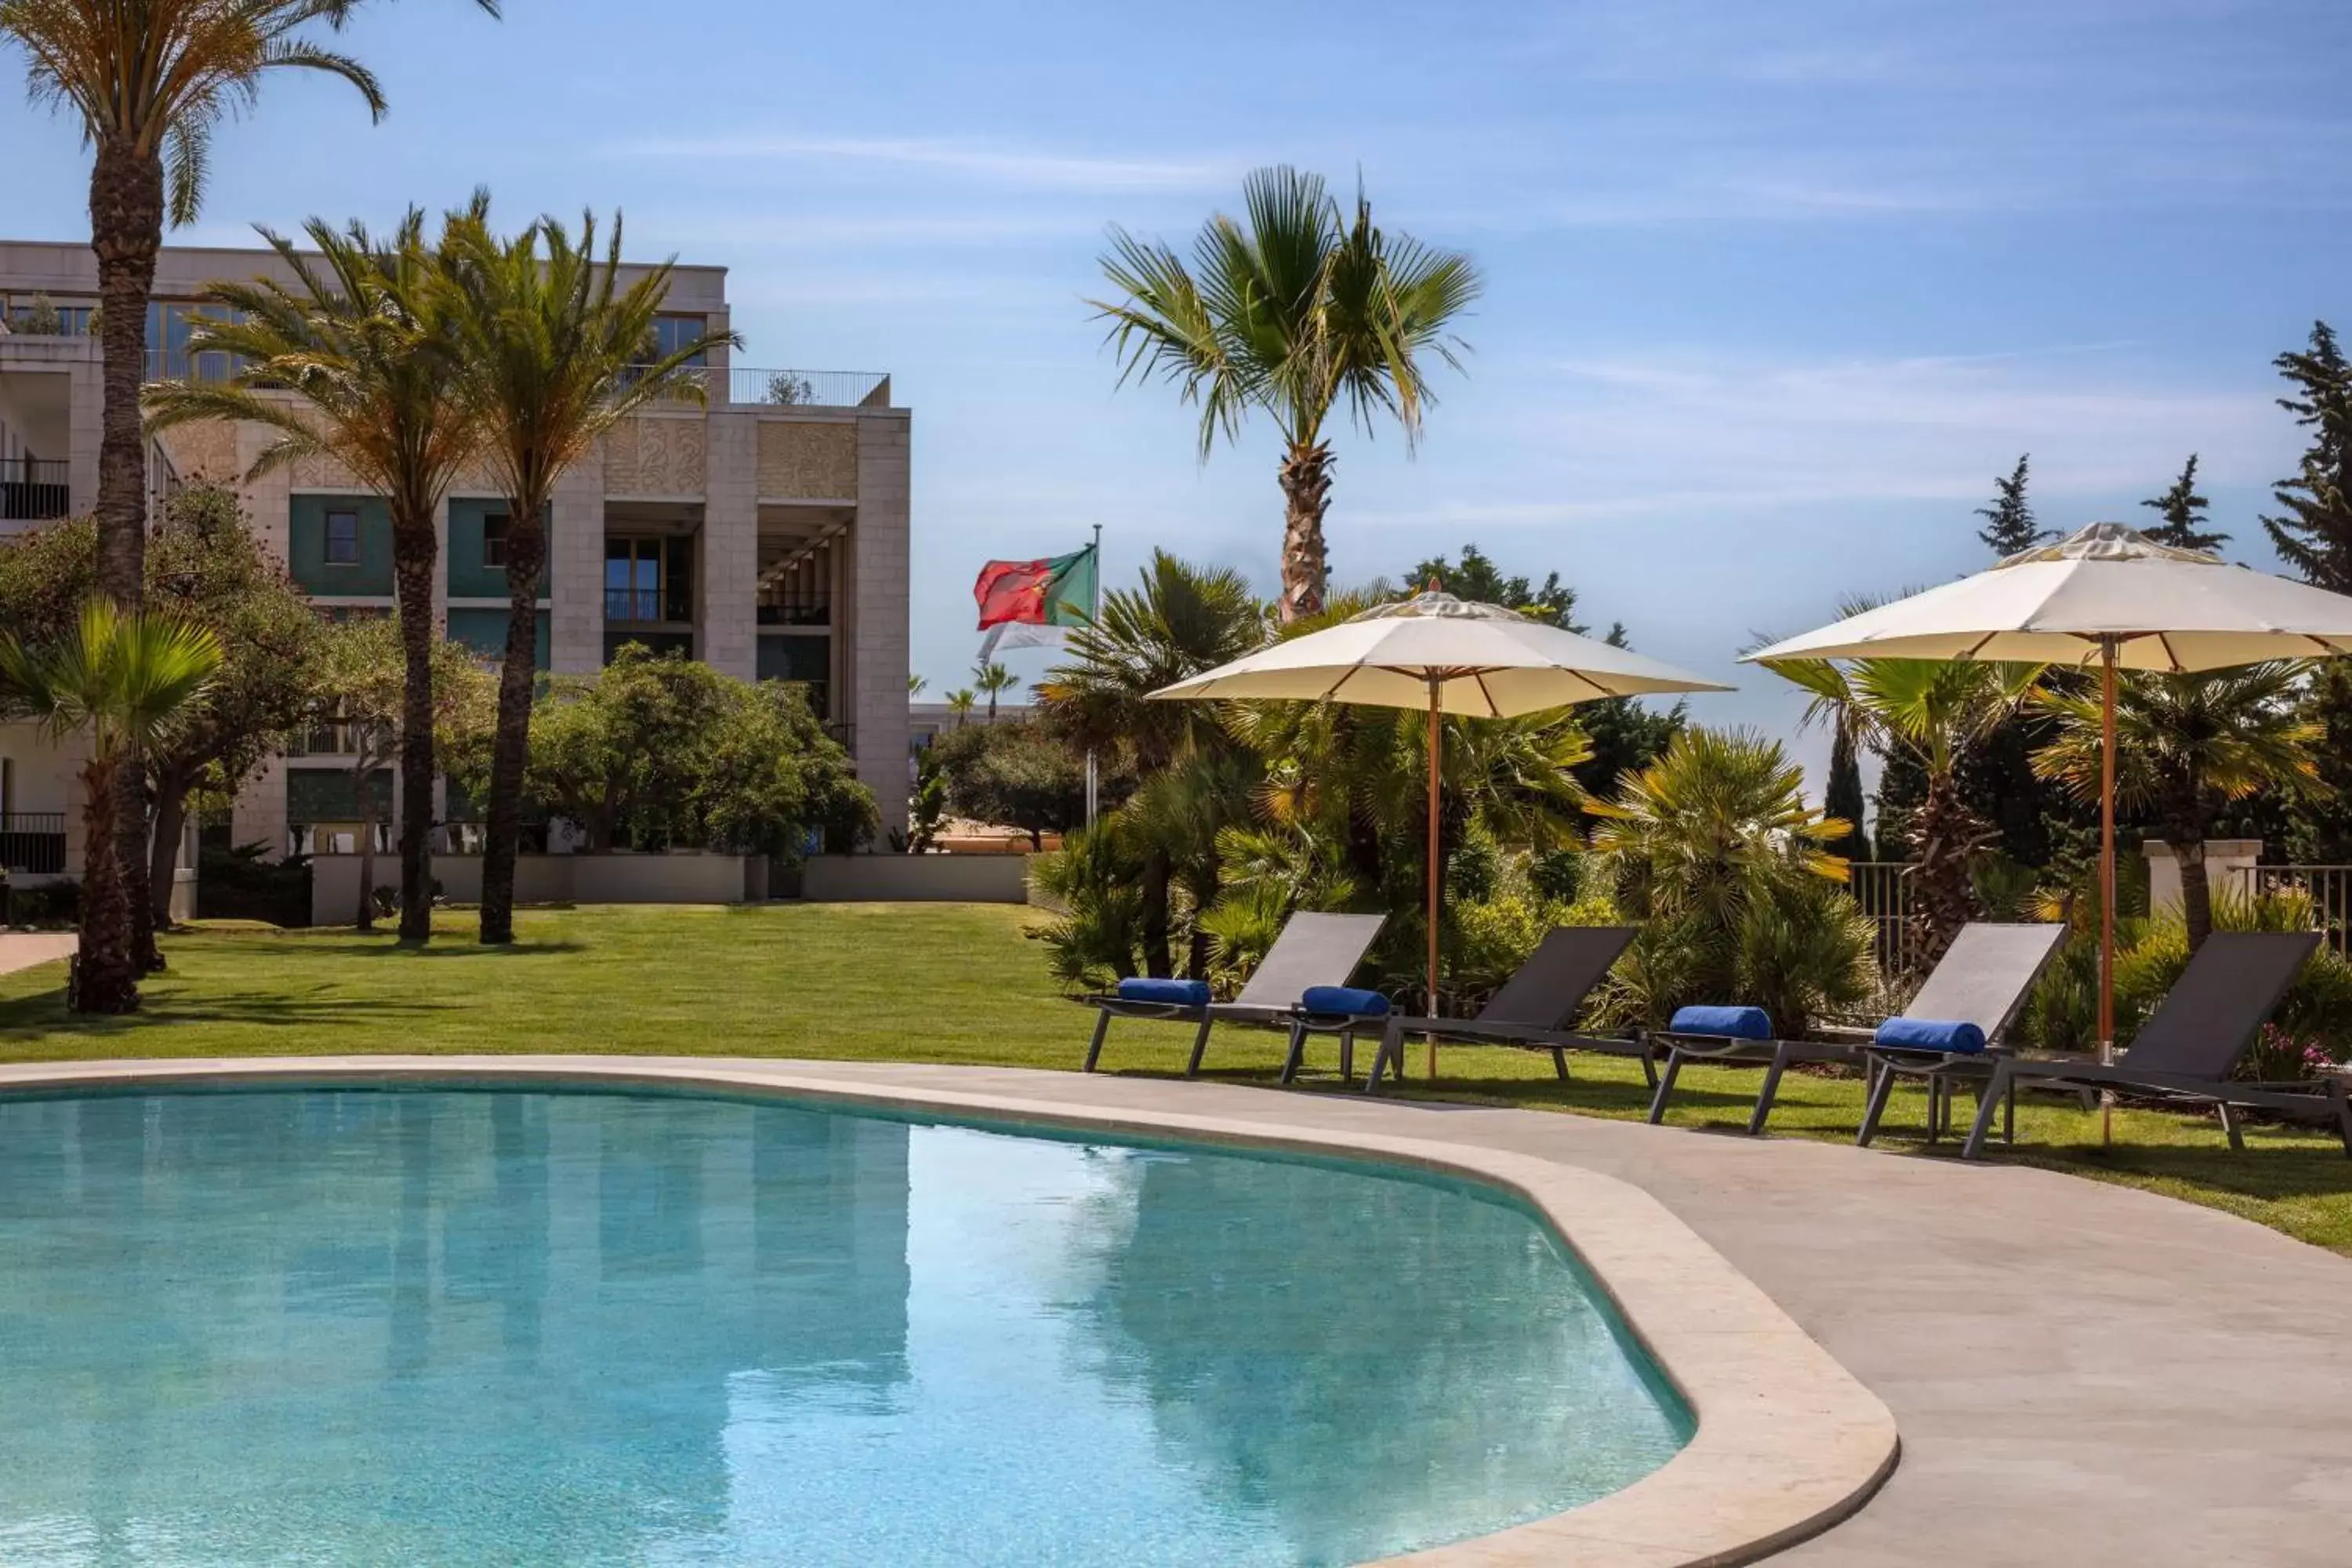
column 807, row 388
column 33, row 490
column 33, row 843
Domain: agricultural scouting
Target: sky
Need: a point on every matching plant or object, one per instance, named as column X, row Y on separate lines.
column 1772, row 293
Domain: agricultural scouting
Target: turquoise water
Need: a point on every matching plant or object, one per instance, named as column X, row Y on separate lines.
column 345, row 1327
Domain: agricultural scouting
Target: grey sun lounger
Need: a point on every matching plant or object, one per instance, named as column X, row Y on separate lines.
column 2198, row 1034
column 1534, row 1008
column 1983, row 978
column 1313, row 949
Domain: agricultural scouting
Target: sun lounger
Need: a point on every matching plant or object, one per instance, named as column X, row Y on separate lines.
column 1314, row 950
column 1534, row 1008
column 1981, row 981
column 2187, row 1050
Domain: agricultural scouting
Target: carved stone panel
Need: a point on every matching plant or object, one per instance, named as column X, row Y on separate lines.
column 649, row 457
column 811, row 462
column 206, row 450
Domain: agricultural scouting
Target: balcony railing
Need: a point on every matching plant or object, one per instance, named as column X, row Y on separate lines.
column 807, row 389
column 33, row 490
column 33, row 842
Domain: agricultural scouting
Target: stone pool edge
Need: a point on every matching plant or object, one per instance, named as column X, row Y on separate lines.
column 1788, row 1441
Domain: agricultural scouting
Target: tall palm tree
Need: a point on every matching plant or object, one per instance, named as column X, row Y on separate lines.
column 2186, row 746
column 553, row 350
column 1293, row 313
column 959, row 703
column 1933, row 711
column 363, row 340
column 993, row 678
column 1178, row 621
column 148, row 79
column 125, row 682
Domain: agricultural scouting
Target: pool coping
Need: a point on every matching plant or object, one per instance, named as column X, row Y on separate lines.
column 1788, row 1442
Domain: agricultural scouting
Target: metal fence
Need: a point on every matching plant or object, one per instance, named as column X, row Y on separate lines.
column 807, row 389
column 33, row 489
column 1883, row 889
column 33, row 842
column 2329, row 888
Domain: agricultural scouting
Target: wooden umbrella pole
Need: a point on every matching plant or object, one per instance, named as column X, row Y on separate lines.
column 1433, row 738
column 2107, row 879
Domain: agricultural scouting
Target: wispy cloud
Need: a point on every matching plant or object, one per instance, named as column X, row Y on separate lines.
column 1001, row 165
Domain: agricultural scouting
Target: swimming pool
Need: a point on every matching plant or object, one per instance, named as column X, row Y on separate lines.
column 353, row 1326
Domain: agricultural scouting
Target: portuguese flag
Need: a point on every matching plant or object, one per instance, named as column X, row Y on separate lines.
column 1058, row 591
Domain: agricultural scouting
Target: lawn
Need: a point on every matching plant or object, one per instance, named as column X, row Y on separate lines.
column 962, row 984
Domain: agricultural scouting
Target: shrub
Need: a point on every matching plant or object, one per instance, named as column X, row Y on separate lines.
column 50, row 904
column 239, row 885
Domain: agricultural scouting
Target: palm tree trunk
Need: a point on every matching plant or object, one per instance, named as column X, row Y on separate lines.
column 1306, row 495
column 2195, row 885
column 1945, row 836
column 105, row 979
column 362, row 797
column 414, row 552
column 126, row 230
column 526, row 551
column 1156, row 961
column 163, row 851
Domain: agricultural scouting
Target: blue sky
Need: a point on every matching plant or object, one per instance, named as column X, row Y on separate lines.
column 1773, row 292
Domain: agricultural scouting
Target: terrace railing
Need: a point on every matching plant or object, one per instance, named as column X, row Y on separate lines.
column 2329, row 888
column 1883, row 889
column 33, row 843
column 33, row 489
column 807, row 389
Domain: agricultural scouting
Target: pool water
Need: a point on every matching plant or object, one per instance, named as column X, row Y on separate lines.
column 473, row 1327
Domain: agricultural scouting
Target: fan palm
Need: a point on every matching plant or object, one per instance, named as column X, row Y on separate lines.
column 1932, row 710
column 123, row 682
column 1180, row 621
column 959, row 703
column 993, row 678
column 553, row 350
column 1292, row 313
column 363, row 339
column 2186, row 746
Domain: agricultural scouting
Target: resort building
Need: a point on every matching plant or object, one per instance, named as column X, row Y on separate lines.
column 765, row 533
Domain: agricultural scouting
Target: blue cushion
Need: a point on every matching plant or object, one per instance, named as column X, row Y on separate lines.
column 1343, row 1001
column 1730, row 1023
column 1959, row 1039
column 1172, row 993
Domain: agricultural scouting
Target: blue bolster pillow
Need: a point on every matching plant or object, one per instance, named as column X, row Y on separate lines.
column 1171, row 992
column 1730, row 1023
column 1343, row 1001
column 1959, row 1039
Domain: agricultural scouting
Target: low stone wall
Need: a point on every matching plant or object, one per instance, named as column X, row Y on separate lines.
column 916, row 878
column 686, row 878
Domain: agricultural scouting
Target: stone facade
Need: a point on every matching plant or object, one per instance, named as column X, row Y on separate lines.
column 658, row 455
column 808, row 462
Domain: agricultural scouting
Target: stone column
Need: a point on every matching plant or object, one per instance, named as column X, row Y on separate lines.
column 575, row 570
column 876, row 700
column 726, row 558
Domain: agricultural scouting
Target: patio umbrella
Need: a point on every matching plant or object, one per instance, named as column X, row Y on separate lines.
column 2108, row 595
column 1448, row 656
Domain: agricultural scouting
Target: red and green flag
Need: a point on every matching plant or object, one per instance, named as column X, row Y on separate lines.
column 1058, row 591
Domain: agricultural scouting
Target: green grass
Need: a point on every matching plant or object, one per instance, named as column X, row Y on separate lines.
column 961, row 984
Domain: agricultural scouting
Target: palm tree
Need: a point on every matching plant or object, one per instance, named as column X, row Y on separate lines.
column 959, row 703
column 1178, row 622
column 1725, row 867
column 2185, row 746
column 148, row 79
column 993, row 678
column 1293, row 314
column 1933, row 711
column 915, row 684
column 553, row 352
column 125, row 682
column 363, row 340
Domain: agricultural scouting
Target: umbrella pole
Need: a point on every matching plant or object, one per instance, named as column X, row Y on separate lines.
column 1433, row 742
column 2106, row 881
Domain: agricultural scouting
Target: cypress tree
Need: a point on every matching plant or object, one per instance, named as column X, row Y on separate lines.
column 2009, row 522
column 1843, row 798
column 2312, row 534
column 2183, row 511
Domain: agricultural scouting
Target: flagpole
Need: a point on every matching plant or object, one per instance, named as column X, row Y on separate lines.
column 1095, row 613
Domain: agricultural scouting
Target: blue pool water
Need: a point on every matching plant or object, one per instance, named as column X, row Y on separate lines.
column 520, row 1327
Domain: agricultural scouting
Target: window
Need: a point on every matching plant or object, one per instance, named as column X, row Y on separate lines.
column 494, row 541
column 672, row 333
column 343, row 539
column 633, row 580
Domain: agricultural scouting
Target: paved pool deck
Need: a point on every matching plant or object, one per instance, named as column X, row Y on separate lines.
column 2080, row 1374
column 22, row 950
